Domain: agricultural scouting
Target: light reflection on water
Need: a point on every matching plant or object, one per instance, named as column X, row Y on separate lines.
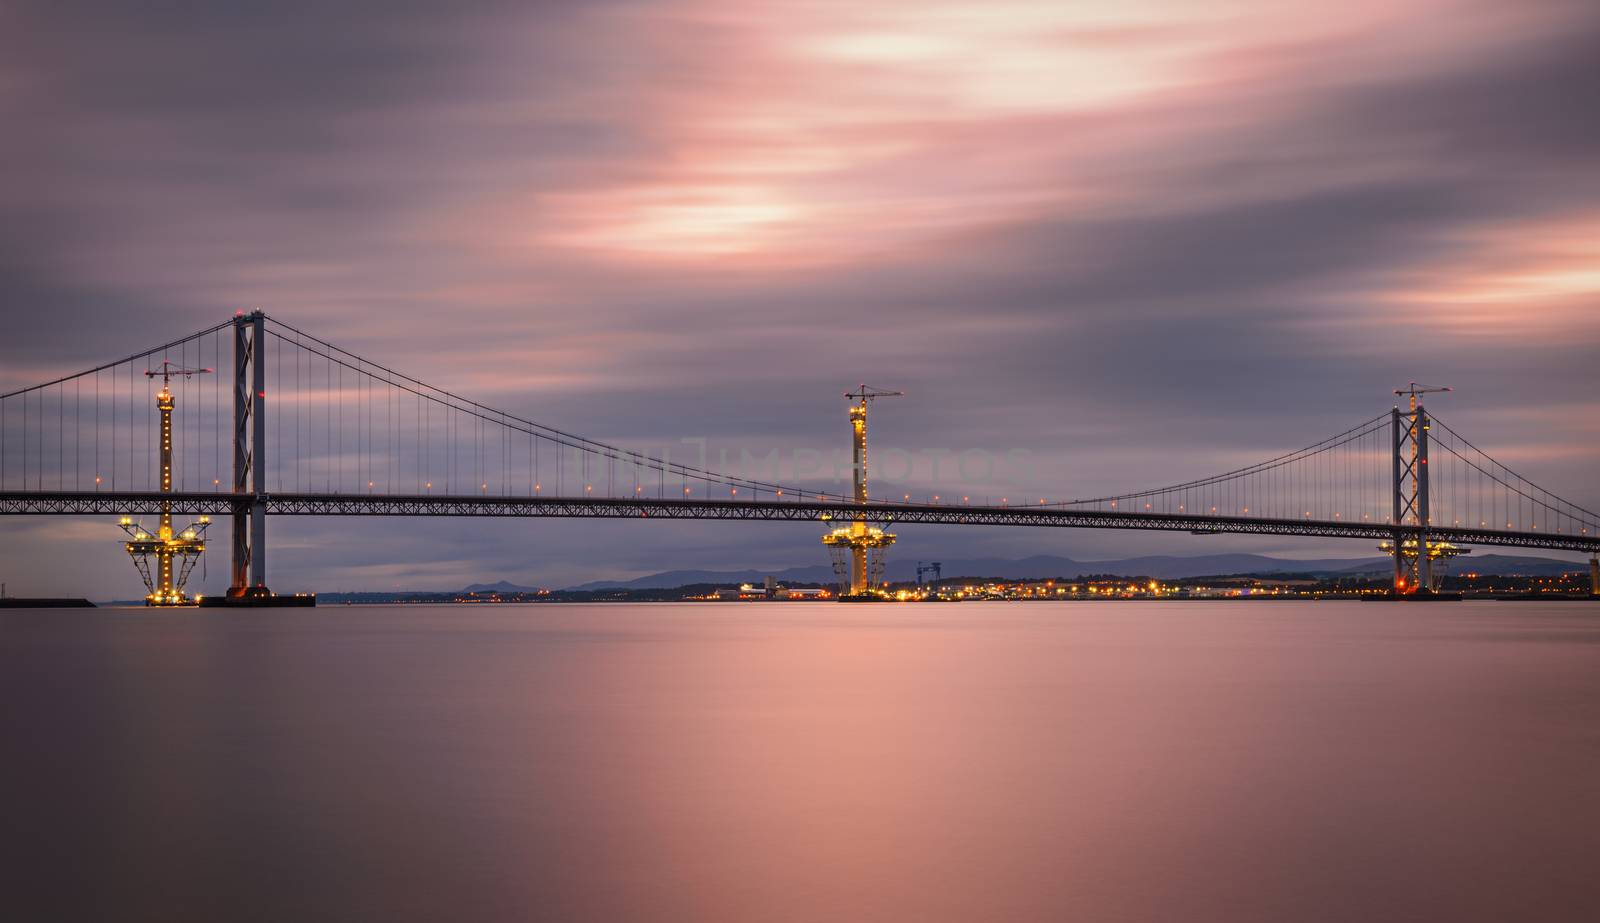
column 980, row 761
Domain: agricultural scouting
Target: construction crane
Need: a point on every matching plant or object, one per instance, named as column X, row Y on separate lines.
column 865, row 393
column 933, row 568
column 166, row 545
column 863, row 544
column 1415, row 391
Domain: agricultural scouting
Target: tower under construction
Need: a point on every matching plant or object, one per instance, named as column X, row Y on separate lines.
column 1414, row 557
column 858, row 548
column 175, row 551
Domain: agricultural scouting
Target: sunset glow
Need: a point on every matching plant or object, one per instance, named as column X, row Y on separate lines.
column 1045, row 221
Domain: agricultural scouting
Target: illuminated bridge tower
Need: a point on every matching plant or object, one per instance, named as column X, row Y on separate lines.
column 175, row 552
column 859, row 545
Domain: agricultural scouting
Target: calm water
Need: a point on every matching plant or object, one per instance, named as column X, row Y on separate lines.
column 990, row 761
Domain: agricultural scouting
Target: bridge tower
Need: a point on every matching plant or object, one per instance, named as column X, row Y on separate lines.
column 863, row 544
column 249, row 558
column 1413, row 553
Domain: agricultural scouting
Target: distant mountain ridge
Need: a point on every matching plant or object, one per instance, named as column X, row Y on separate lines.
column 1166, row 567
column 502, row 586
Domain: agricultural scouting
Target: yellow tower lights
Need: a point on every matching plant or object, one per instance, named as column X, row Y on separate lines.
column 1438, row 552
column 858, row 548
column 174, row 551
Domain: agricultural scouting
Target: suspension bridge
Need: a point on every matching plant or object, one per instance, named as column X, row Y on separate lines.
column 284, row 423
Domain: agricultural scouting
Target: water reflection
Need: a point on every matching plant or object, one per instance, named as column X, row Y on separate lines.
column 1216, row 761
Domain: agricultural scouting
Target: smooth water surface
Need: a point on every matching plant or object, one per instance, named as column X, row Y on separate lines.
column 1204, row 761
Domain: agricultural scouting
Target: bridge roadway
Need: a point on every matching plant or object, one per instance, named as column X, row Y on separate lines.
column 106, row 503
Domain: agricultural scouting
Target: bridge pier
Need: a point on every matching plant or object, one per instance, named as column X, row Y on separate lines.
column 1594, row 575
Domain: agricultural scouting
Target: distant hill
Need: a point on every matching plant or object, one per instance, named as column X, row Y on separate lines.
column 504, row 586
column 1167, row 567
column 674, row 578
column 1494, row 565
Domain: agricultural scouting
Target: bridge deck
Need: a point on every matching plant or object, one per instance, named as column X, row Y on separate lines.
column 305, row 504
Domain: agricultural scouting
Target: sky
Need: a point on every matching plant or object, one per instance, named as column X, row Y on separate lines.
column 1141, row 241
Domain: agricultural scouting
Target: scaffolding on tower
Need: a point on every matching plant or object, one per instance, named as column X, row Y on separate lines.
column 1414, row 570
column 174, row 551
column 859, row 547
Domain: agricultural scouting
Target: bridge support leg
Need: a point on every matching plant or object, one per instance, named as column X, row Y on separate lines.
column 1399, row 509
column 1594, row 575
column 258, row 457
column 1424, row 516
column 249, row 454
column 240, row 582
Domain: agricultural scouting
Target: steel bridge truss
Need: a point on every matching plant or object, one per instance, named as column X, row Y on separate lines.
column 300, row 504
